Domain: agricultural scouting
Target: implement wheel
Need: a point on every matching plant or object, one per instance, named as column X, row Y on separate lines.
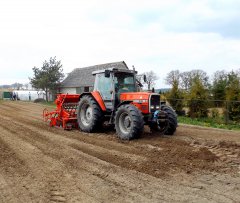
column 129, row 122
column 89, row 114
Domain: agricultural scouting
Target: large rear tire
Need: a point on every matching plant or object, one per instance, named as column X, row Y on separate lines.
column 129, row 122
column 172, row 120
column 89, row 114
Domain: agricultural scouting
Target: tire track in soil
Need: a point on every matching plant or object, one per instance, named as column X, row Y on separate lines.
column 159, row 163
column 20, row 113
column 15, row 171
column 101, row 174
column 82, row 189
column 114, row 144
column 11, row 166
column 127, row 161
column 27, row 135
column 6, row 194
column 17, row 133
column 31, row 134
column 48, row 151
column 88, row 139
column 49, row 178
column 10, row 162
column 81, row 177
column 56, row 195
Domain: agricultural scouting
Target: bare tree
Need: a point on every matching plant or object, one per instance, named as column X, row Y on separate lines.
column 151, row 77
column 25, row 86
column 17, row 86
column 187, row 78
column 140, row 78
column 173, row 77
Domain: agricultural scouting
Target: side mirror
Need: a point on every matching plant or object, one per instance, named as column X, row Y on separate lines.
column 144, row 78
column 107, row 73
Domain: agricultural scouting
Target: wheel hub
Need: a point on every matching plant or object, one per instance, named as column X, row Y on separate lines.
column 125, row 123
column 86, row 114
column 89, row 113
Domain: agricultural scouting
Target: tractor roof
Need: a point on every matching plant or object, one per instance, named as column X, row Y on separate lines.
column 114, row 70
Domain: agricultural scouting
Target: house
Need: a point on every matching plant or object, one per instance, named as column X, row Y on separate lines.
column 81, row 79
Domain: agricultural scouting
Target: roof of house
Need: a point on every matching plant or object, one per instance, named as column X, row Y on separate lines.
column 83, row 76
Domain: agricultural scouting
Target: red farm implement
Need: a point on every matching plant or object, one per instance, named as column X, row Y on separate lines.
column 65, row 115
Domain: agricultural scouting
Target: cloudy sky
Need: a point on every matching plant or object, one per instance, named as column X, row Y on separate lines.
column 158, row 35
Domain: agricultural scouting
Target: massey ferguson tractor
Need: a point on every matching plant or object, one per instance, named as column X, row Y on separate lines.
column 117, row 101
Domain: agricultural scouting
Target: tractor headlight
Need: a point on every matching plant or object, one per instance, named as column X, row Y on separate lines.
column 152, row 107
column 157, row 107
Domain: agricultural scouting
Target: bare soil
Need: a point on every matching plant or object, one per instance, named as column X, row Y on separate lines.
column 43, row 164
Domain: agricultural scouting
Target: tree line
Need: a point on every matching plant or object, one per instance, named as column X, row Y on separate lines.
column 16, row 86
column 194, row 89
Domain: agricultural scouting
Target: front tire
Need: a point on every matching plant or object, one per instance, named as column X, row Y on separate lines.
column 89, row 114
column 129, row 122
column 172, row 120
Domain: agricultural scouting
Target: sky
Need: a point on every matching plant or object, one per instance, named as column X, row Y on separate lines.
column 155, row 35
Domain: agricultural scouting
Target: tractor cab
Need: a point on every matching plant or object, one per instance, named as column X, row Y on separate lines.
column 110, row 83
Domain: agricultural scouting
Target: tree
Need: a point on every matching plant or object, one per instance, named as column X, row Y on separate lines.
column 219, row 86
column 25, row 86
column 48, row 77
column 17, row 86
column 151, row 77
column 185, row 80
column 188, row 77
column 233, row 95
column 175, row 95
column 198, row 96
column 140, row 81
column 173, row 77
column 176, row 99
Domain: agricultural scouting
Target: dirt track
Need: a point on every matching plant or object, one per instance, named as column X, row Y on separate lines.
column 43, row 164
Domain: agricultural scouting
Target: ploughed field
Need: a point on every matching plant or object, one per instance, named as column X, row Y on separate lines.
column 43, row 164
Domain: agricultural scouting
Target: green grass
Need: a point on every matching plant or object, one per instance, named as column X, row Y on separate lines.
column 209, row 122
column 50, row 103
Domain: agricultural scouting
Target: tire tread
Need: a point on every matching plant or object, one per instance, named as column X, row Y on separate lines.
column 138, row 123
column 172, row 116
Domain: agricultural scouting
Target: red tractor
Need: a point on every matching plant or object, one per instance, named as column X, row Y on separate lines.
column 115, row 99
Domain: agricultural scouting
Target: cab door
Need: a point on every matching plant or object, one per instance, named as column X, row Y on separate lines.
column 104, row 86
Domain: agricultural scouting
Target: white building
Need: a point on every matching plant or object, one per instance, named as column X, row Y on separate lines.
column 31, row 95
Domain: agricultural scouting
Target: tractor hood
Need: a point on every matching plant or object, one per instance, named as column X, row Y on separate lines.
column 146, row 102
column 133, row 96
